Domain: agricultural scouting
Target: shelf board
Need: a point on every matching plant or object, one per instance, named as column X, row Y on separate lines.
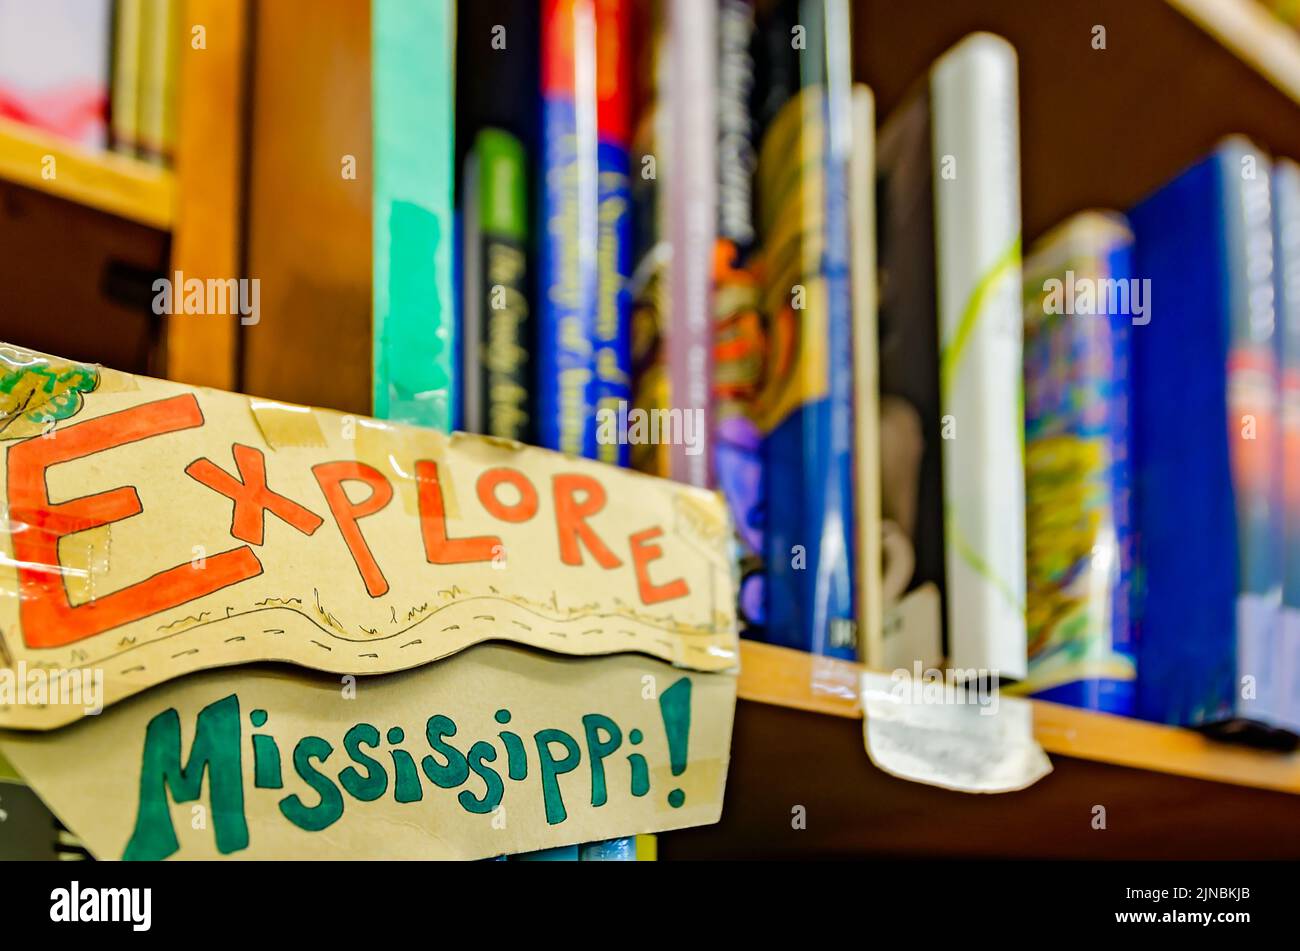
column 1167, row 793
column 1252, row 34
column 121, row 186
column 789, row 678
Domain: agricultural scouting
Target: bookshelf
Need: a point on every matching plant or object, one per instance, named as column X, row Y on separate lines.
column 281, row 93
column 781, row 677
column 1168, row 793
column 111, row 212
column 112, row 183
column 1250, row 32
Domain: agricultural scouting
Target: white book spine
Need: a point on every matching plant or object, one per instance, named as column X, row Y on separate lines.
column 976, row 154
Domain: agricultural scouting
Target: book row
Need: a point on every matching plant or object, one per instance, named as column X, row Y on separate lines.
column 683, row 241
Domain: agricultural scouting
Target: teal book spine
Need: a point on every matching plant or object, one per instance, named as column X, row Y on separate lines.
column 412, row 87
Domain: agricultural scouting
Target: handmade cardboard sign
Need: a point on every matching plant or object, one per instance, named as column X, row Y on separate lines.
column 154, row 529
column 497, row 750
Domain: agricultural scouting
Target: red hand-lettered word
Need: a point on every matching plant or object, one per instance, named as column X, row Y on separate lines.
column 48, row 617
column 642, row 554
column 331, row 476
column 522, row 510
column 571, row 519
column 438, row 548
column 251, row 496
column 50, row 620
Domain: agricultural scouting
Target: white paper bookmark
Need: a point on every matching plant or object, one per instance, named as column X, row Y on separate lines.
column 932, row 730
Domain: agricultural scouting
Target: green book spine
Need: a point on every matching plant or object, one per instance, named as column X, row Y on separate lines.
column 414, row 314
column 495, row 321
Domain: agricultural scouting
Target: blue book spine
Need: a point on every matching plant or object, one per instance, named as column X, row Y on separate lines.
column 611, row 850
column 561, row 853
column 808, row 454
column 611, row 331
column 584, row 335
column 834, row 612
column 1205, row 428
column 568, row 281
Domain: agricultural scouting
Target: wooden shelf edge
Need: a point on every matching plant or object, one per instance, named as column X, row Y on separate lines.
column 1253, row 35
column 104, row 181
column 788, row 678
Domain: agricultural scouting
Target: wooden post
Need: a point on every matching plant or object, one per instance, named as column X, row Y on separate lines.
column 207, row 238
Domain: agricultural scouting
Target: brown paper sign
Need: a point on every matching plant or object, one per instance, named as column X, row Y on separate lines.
column 154, row 529
column 497, row 750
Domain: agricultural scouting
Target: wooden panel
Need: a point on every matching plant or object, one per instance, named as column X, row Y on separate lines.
column 116, row 184
column 75, row 282
column 1099, row 128
column 207, row 240
column 309, row 227
column 783, row 758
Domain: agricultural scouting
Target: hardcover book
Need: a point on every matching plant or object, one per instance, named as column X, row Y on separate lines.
column 950, row 352
column 1205, row 430
column 415, row 372
column 1080, row 308
column 806, row 408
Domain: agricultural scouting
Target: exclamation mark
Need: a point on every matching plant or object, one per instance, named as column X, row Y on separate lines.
column 675, row 706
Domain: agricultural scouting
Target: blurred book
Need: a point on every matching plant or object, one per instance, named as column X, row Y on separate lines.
column 159, row 48
column 1205, row 431
column 1286, row 217
column 497, row 48
column 561, row 853
column 584, row 342
column 610, row 850
column 585, row 382
column 806, row 407
column 740, row 342
column 691, row 206
column 496, row 315
column 950, row 353
column 651, row 242
column 415, row 377
column 1080, row 302
column 869, row 594
column 124, row 91
column 673, row 191
column 54, row 67
column 497, row 63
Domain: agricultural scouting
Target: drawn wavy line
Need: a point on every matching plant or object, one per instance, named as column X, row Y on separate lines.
column 374, row 640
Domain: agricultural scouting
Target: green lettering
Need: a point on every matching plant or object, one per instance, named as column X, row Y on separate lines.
column 375, row 783
column 598, row 749
column 552, row 769
column 216, row 751
column 494, row 789
column 455, row 770
column 330, row 808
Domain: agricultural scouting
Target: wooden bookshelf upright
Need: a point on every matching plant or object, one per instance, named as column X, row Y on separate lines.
column 207, row 240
